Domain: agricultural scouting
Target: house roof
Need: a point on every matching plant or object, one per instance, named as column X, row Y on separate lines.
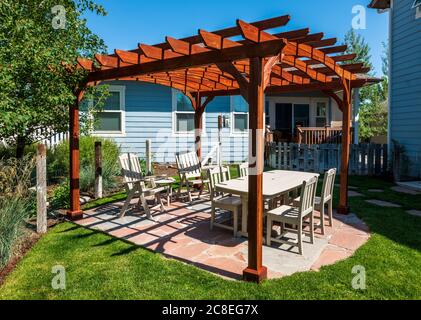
column 379, row 4
column 213, row 63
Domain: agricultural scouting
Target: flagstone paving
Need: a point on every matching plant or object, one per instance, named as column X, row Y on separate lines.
column 182, row 233
column 415, row 213
column 352, row 194
column 405, row 190
column 384, row 204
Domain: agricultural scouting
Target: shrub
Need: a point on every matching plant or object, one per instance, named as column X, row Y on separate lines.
column 58, row 162
column 13, row 213
column 16, row 202
column 60, row 198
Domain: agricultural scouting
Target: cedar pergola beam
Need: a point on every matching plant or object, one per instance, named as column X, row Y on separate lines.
column 268, row 48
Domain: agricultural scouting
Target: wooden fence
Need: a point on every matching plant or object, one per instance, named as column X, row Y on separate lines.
column 365, row 159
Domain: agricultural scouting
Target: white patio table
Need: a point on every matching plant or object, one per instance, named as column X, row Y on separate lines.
column 275, row 184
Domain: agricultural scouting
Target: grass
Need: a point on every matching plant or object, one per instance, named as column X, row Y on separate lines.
column 101, row 267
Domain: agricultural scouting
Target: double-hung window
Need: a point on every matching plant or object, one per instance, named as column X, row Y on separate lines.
column 183, row 113
column 240, row 116
column 110, row 121
column 321, row 114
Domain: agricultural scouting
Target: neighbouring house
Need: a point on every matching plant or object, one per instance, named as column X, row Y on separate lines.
column 404, row 77
column 137, row 111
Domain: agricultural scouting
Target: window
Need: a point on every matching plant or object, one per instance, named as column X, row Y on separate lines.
column 417, row 4
column 321, row 113
column 111, row 119
column 183, row 113
column 239, row 108
column 267, row 114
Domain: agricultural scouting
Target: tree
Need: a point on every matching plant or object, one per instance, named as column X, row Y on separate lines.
column 373, row 109
column 39, row 44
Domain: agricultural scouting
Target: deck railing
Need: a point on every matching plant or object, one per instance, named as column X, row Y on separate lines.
column 318, row 135
column 365, row 159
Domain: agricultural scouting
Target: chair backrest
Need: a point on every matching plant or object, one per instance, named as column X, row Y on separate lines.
column 188, row 164
column 308, row 194
column 243, row 169
column 225, row 173
column 130, row 168
column 217, row 175
column 328, row 185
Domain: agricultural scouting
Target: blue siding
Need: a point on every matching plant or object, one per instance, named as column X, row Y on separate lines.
column 148, row 115
column 405, row 117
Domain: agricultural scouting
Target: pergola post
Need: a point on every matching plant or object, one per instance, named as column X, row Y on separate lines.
column 255, row 271
column 74, row 212
column 346, row 141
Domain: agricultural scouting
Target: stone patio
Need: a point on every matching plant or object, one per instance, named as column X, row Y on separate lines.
column 182, row 233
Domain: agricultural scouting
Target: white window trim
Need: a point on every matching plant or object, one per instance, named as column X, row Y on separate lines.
column 326, row 102
column 418, row 12
column 116, row 134
column 232, row 116
column 174, row 113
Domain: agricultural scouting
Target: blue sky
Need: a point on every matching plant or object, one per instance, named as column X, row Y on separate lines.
column 132, row 21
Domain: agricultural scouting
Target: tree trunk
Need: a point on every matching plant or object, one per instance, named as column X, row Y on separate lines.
column 20, row 147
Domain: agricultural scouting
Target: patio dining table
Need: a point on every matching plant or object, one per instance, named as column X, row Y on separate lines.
column 275, row 184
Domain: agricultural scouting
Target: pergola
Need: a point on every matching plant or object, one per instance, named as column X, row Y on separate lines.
column 211, row 64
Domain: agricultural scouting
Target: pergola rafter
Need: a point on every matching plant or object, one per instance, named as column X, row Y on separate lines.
column 211, row 64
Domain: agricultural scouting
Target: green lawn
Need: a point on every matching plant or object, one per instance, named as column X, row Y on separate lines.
column 100, row 267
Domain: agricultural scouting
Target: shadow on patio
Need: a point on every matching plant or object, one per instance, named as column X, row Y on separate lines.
column 182, row 233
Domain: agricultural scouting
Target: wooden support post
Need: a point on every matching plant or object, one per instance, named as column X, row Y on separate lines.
column 255, row 271
column 41, row 188
column 148, row 146
column 346, row 141
column 98, row 169
column 74, row 213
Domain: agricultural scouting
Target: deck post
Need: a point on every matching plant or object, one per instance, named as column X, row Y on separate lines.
column 255, row 271
column 346, row 141
column 74, row 213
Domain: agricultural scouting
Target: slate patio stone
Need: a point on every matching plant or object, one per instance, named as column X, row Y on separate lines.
column 352, row 194
column 384, row 204
column 405, row 190
column 416, row 213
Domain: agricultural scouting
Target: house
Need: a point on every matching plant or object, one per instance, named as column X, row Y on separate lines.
column 405, row 77
column 137, row 111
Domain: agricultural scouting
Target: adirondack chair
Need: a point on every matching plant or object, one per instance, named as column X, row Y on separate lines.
column 190, row 172
column 138, row 185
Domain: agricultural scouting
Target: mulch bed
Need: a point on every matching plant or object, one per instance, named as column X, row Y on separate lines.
column 24, row 244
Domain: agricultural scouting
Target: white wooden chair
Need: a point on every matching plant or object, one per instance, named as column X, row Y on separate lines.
column 326, row 198
column 190, row 172
column 228, row 203
column 294, row 216
column 243, row 169
column 138, row 185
